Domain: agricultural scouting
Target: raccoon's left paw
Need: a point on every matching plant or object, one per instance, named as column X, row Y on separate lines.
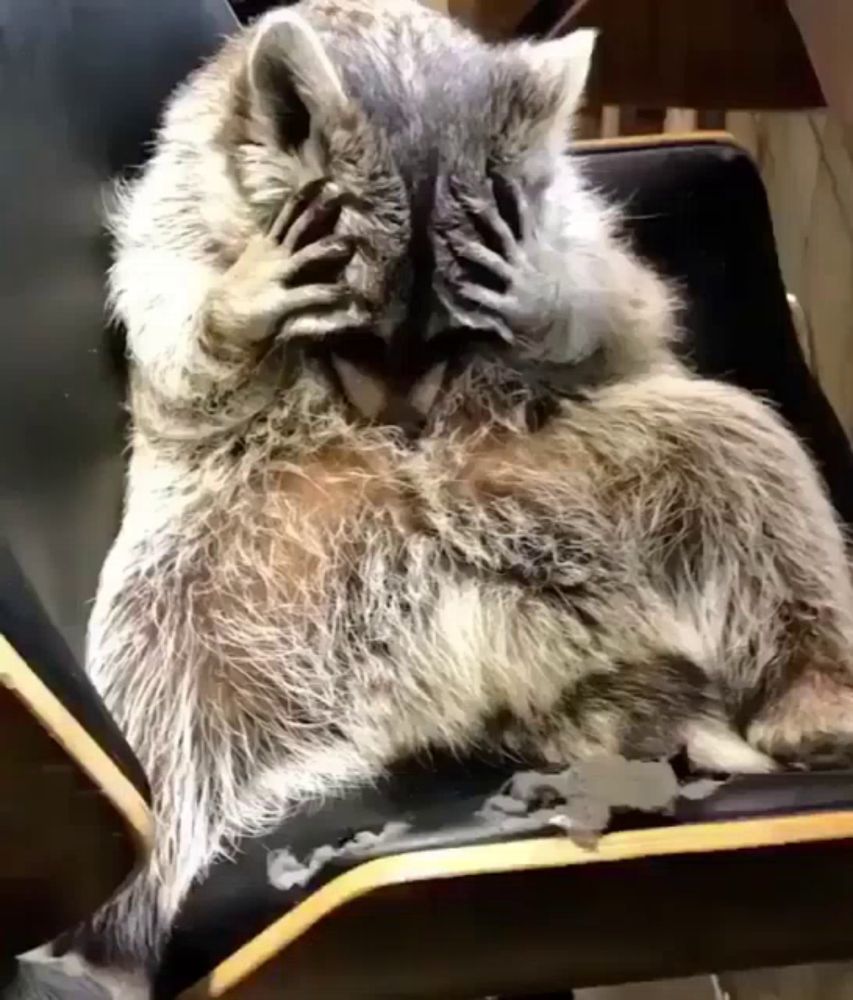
column 495, row 282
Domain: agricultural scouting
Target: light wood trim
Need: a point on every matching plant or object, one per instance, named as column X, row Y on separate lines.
column 656, row 139
column 62, row 726
column 677, row 121
column 611, row 118
column 699, row 838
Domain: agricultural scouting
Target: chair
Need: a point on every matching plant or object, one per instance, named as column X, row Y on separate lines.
column 443, row 906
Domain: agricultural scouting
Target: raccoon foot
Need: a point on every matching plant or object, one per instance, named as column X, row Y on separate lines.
column 289, row 281
column 810, row 726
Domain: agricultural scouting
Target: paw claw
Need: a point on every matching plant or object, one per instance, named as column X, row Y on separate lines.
column 315, row 224
column 320, row 323
column 508, row 202
column 479, row 265
column 320, row 263
column 295, row 206
column 468, row 311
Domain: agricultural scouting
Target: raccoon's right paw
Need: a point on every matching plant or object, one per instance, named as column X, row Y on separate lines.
column 289, row 281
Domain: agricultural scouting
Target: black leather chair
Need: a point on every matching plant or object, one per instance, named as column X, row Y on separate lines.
column 446, row 905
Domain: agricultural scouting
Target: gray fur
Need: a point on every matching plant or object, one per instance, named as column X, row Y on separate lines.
column 67, row 979
column 299, row 594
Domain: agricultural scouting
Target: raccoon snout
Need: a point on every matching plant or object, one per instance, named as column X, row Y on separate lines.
column 376, row 397
column 399, row 412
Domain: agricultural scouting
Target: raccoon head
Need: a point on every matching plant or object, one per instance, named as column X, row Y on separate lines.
column 390, row 113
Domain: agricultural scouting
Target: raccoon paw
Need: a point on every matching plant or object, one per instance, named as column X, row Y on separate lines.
column 494, row 282
column 289, row 281
column 810, row 727
column 805, row 751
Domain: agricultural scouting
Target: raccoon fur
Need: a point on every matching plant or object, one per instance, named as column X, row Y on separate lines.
column 413, row 462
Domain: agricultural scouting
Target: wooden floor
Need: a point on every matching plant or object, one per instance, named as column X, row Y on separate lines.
column 824, row 982
column 677, row 989
column 812, row 982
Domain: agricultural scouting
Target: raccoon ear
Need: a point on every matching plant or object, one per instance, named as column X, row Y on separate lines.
column 292, row 81
column 562, row 67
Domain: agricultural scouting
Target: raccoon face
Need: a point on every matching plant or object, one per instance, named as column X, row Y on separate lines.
column 403, row 118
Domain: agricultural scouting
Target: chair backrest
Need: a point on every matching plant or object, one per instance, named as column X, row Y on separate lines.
column 81, row 85
column 697, row 209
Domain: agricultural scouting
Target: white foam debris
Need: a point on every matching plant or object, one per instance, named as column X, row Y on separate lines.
column 581, row 798
column 578, row 801
column 286, row 871
column 507, row 804
column 699, row 789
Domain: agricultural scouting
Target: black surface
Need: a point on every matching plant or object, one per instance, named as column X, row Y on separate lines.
column 81, row 86
column 248, row 10
column 771, row 795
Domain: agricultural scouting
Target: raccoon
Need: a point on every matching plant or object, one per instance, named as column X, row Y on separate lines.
column 414, row 464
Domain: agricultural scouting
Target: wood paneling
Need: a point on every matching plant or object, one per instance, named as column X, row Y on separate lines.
column 676, row 53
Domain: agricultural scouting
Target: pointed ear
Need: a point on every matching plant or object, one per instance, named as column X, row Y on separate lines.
column 562, row 68
column 292, row 82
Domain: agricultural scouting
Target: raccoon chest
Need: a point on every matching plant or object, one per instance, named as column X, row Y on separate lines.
column 302, row 533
